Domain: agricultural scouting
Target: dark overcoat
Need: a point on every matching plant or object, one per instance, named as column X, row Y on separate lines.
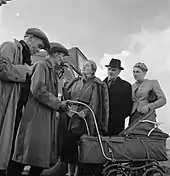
column 120, row 105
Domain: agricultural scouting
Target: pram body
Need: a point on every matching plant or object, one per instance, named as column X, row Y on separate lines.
column 136, row 151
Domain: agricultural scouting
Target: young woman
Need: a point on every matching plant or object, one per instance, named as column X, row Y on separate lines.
column 147, row 94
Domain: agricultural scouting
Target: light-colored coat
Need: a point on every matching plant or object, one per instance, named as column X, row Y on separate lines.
column 36, row 140
column 140, row 95
column 12, row 72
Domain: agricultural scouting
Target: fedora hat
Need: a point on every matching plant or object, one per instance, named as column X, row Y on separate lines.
column 115, row 63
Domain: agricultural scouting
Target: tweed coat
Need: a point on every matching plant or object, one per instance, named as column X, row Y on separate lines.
column 140, row 96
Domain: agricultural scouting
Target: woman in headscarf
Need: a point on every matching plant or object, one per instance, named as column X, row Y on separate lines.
column 147, row 94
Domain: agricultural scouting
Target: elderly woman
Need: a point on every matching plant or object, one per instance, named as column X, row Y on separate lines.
column 147, row 94
column 93, row 92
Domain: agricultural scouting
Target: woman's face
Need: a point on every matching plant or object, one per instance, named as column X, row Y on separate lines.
column 138, row 74
column 87, row 68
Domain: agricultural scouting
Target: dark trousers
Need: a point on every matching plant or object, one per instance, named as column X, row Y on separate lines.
column 17, row 122
column 15, row 168
column 2, row 172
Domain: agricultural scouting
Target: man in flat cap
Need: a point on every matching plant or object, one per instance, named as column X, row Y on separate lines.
column 120, row 98
column 15, row 71
column 36, row 140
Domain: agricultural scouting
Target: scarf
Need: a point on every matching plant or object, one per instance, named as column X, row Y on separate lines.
column 25, row 87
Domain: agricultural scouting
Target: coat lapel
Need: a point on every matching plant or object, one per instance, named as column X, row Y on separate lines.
column 53, row 77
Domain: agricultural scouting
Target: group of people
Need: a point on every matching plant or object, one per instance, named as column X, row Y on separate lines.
column 29, row 102
column 112, row 101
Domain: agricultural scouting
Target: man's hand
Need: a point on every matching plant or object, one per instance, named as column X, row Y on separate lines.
column 63, row 106
column 28, row 69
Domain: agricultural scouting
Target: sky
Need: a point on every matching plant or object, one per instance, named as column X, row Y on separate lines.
column 130, row 30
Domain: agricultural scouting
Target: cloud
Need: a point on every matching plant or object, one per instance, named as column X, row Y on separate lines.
column 152, row 48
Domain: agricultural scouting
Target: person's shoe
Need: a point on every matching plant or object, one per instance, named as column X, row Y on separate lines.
column 69, row 174
column 2, row 172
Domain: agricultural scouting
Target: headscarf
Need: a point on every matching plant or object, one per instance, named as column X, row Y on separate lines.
column 142, row 66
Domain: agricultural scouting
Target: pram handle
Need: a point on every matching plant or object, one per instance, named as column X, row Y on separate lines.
column 88, row 131
column 156, row 124
column 94, row 118
column 95, row 122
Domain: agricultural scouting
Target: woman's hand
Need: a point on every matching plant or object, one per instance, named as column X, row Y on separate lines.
column 81, row 114
column 64, row 82
column 145, row 109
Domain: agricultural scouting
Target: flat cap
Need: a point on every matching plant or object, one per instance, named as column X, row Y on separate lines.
column 39, row 34
column 57, row 47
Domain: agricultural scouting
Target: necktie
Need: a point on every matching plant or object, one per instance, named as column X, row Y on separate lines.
column 109, row 82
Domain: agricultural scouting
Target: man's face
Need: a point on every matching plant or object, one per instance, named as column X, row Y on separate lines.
column 113, row 72
column 58, row 58
column 35, row 44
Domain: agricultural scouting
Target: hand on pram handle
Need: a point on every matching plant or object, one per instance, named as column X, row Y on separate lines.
column 80, row 114
column 100, row 138
column 63, row 107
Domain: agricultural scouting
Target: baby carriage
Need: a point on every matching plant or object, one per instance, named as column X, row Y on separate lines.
column 136, row 151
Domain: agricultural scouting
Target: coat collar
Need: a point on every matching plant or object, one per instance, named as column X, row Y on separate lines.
column 117, row 79
column 18, row 44
column 136, row 84
column 49, row 63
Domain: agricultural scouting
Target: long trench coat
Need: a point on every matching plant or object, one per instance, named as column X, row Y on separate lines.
column 12, row 72
column 36, row 143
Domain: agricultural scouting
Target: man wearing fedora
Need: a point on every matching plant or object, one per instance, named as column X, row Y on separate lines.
column 120, row 98
column 36, row 141
column 15, row 71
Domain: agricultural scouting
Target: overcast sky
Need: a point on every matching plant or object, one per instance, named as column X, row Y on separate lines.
column 131, row 30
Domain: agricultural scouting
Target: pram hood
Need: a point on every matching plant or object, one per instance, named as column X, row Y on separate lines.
column 145, row 127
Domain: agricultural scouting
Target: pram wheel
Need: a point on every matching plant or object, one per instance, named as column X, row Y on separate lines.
column 116, row 173
column 153, row 172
